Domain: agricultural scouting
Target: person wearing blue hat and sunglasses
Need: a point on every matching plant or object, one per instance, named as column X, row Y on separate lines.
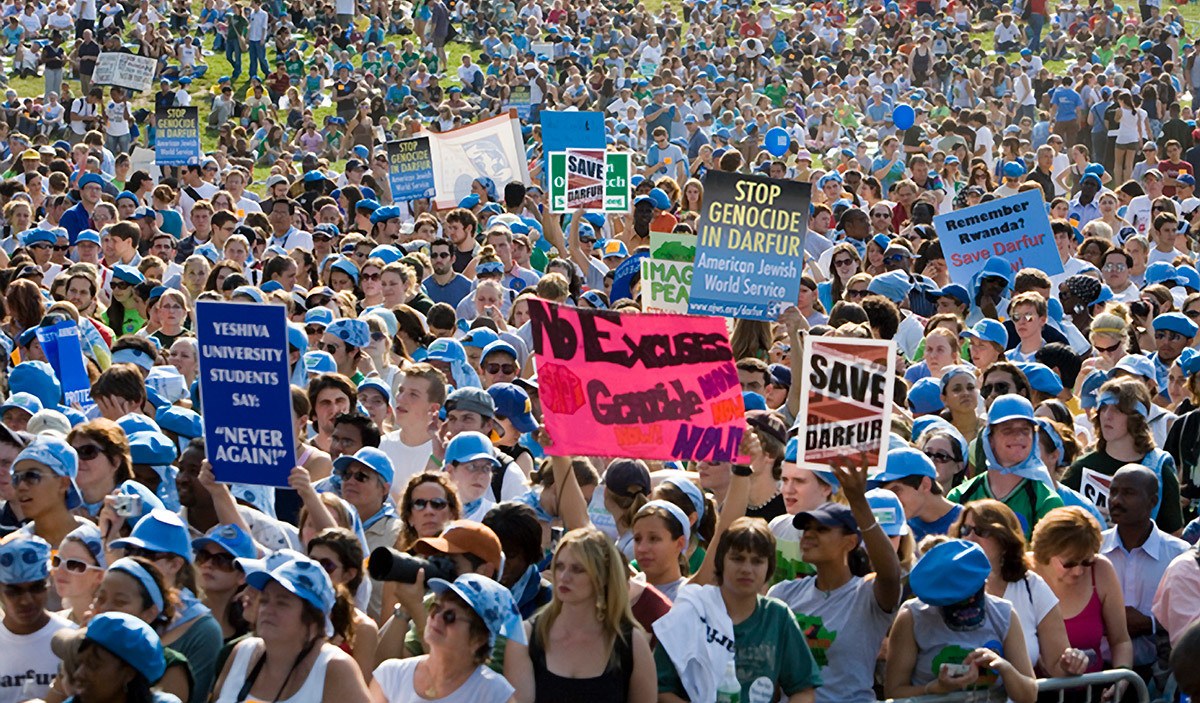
column 27, row 626
column 955, row 636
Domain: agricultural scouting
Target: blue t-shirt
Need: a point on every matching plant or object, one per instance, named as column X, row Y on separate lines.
column 941, row 526
column 452, row 293
column 1066, row 104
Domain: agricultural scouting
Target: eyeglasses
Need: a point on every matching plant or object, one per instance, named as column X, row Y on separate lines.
column 33, row 477
column 121, row 285
column 894, row 259
column 330, row 566
column 62, row 247
column 1109, row 350
column 88, row 452
column 439, row 255
column 331, row 348
column 494, row 369
column 1086, row 563
column 371, row 276
column 995, row 389
column 940, row 457
column 75, row 566
column 1114, row 267
column 220, row 560
column 449, row 616
column 33, row 589
column 475, row 467
column 968, row 530
column 432, row 503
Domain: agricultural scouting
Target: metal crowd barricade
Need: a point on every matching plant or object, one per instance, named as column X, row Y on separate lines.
column 1066, row 683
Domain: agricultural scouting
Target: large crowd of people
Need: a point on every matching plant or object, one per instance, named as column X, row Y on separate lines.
column 1038, row 513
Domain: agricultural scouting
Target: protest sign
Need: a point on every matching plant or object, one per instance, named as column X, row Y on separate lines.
column 245, row 393
column 520, row 98
column 542, row 48
column 667, row 272
column 645, row 386
column 562, row 130
column 1094, row 486
column 178, row 136
column 847, row 408
column 492, row 148
column 410, row 169
column 124, row 70
column 617, row 187
column 750, row 246
column 64, row 352
column 1016, row 228
column 585, row 179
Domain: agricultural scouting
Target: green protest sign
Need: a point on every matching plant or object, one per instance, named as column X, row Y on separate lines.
column 667, row 272
column 617, row 188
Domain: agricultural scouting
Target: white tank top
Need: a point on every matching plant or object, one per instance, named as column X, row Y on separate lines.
column 311, row 692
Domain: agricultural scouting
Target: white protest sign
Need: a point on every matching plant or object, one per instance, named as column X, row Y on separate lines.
column 124, row 70
column 1094, row 486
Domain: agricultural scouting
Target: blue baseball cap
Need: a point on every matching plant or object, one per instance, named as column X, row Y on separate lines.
column 1176, row 322
column 469, row 446
column 953, row 290
column 492, row 602
column 479, row 338
column 231, row 538
column 925, row 397
column 24, row 558
column 753, row 401
column 318, row 316
column 513, row 404
column 58, row 456
column 1135, row 365
column 128, row 274
column 374, row 384
column 370, row 458
column 131, row 640
column 988, row 330
column 88, row 535
column 470, row 201
column 659, row 197
column 38, row 378
column 1161, row 272
column 888, row 510
column 22, row 401
column 499, row 346
column 159, row 531
column 950, row 572
column 1010, row 407
column 905, row 462
column 303, row 578
column 893, row 285
column 318, row 362
column 1041, row 378
column 88, row 235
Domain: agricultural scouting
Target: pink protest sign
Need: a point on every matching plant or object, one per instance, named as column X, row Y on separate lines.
column 643, row 386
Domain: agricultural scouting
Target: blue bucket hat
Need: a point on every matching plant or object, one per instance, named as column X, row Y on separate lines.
column 159, row 531
column 369, row 457
column 352, row 331
column 1041, row 378
column 513, row 404
column 893, row 285
column 385, row 252
column 38, row 378
column 89, row 536
column 493, row 603
column 989, row 331
column 1136, row 365
column 469, row 446
column 925, row 397
column 888, row 510
column 1010, row 407
column 58, row 456
column 128, row 274
column 131, row 640
column 303, row 578
column 152, row 448
column 950, row 573
column 22, row 401
column 231, row 538
column 24, row 558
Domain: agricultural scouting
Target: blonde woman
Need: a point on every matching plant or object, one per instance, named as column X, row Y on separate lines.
column 585, row 644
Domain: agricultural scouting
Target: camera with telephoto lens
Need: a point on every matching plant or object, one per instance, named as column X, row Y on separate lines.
column 387, row 564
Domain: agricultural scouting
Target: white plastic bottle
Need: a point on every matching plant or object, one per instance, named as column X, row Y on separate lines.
column 730, row 689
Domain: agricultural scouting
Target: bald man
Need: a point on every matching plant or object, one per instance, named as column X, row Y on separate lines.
column 1140, row 552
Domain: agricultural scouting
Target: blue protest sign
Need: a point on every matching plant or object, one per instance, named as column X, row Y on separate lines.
column 245, row 392
column 64, row 352
column 178, row 136
column 623, row 275
column 750, row 246
column 410, row 169
column 570, row 130
column 520, row 98
column 1016, row 228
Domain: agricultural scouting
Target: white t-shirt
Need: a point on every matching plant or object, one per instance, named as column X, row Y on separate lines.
column 407, row 461
column 118, row 125
column 28, row 666
column 395, row 677
column 1032, row 600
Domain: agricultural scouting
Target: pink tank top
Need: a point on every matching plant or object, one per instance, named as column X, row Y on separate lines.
column 1086, row 630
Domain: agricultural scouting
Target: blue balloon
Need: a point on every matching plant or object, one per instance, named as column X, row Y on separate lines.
column 903, row 116
column 777, row 141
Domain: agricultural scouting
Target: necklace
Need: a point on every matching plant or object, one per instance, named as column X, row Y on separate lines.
column 764, row 503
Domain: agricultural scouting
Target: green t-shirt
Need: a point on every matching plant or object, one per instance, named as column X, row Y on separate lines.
column 770, row 651
column 1170, row 513
column 776, row 92
column 1030, row 500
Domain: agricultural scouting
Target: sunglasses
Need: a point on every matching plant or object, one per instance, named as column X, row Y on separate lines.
column 1193, row 314
column 378, row 336
column 440, row 255
column 940, row 457
column 61, row 247
column 360, row 476
column 968, row 530
column 494, row 369
column 88, row 452
column 331, row 348
column 33, row 477
column 330, row 566
column 996, row 389
column 843, row 262
column 75, row 566
column 147, row 554
column 893, row 259
column 433, row 503
column 370, row 276
column 1109, row 350
column 220, row 560
column 1086, row 563
column 1024, row 317
column 314, row 329
column 449, row 616
column 120, row 285
column 33, row 589
column 857, row 293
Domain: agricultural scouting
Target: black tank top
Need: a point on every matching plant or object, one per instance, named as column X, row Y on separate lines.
column 610, row 687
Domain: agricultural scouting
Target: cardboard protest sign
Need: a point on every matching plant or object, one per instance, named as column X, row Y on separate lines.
column 178, row 140
column 617, row 195
column 667, row 273
column 520, row 98
column 493, row 147
column 410, row 169
column 750, row 246
column 847, row 408
column 124, row 70
column 1016, row 228
column 64, row 352
column 585, row 179
column 245, row 392
column 646, row 386
column 1095, row 486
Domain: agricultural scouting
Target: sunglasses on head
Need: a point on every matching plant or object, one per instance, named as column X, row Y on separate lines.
column 494, row 369
column 220, row 560
column 433, row 503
